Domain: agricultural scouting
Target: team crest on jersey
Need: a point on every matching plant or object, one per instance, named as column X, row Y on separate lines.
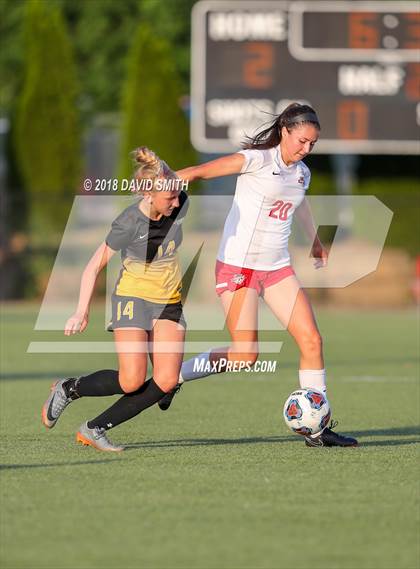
column 301, row 180
column 238, row 279
column 316, row 400
column 294, row 410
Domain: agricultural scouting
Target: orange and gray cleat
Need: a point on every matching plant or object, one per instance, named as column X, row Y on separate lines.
column 55, row 404
column 96, row 438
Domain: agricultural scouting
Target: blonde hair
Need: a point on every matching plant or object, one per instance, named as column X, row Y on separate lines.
column 149, row 165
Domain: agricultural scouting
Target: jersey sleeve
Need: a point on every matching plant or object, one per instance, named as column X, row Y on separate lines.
column 306, row 176
column 122, row 232
column 254, row 160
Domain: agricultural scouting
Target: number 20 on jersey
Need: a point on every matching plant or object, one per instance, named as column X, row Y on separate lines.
column 280, row 210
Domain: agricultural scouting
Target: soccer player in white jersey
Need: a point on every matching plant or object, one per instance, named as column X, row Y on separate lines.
column 253, row 258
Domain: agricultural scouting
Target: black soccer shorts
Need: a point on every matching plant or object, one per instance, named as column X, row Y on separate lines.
column 133, row 312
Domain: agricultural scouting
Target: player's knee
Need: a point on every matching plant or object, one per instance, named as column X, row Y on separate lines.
column 166, row 381
column 311, row 343
column 130, row 382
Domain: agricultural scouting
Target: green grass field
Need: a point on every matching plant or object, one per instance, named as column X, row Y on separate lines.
column 218, row 481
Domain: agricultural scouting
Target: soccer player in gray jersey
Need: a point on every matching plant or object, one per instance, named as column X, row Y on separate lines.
column 146, row 310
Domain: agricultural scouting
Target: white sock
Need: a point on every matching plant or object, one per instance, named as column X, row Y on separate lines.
column 313, row 378
column 196, row 367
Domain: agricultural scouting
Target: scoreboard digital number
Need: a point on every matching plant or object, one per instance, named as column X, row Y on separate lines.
column 357, row 63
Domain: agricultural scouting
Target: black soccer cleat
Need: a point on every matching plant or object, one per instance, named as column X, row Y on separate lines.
column 330, row 439
column 166, row 400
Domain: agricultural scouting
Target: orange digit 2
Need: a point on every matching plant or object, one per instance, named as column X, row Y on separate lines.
column 258, row 66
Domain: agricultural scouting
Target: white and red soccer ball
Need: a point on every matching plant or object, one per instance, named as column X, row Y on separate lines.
column 307, row 412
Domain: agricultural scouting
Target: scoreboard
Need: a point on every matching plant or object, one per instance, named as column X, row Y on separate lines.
column 357, row 63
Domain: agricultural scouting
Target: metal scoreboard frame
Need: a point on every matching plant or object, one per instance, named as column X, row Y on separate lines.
column 370, row 45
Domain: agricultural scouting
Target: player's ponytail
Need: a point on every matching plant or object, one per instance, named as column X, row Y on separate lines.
column 149, row 165
column 293, row 115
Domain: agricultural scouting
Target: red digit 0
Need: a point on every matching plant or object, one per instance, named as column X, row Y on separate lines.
column 284, row 210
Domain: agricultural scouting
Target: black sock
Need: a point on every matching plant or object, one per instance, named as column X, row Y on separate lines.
column 128, row 406
column 98, row 384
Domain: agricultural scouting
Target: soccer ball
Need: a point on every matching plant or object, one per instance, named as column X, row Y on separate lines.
column 307, row 412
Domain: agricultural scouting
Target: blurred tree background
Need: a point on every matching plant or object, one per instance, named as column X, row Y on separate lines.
column 66, row 68
column 48, row 130
column 145, row 107
column 125, row 66
column 101, row 33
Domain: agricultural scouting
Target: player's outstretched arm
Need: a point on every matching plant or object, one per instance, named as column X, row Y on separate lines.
column 306, row 220
column 225, row 166
column 79, row 320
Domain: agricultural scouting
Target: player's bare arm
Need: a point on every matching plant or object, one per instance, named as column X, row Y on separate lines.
column 79, row 320
column 225, row 166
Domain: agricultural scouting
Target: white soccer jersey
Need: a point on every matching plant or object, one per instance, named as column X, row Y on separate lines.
column 258, row 226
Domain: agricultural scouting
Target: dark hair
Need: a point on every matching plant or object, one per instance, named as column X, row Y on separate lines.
column 292, row 116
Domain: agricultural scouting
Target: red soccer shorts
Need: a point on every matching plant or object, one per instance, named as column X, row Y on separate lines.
column 229, row 277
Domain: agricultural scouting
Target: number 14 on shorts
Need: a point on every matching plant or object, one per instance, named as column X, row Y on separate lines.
column 128, row 309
